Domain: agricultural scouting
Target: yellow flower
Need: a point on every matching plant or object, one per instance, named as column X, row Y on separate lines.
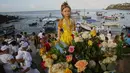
column 42, row 51
column 93, row 33
column 68, row 70
column 90, row 43
column 54, row 56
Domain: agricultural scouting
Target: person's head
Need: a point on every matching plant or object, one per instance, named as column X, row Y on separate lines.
column 4, row 43
column 106, row 38
column 5, row 49
column 40, row 31
column 21, row 33
column 13, row 43
column 43, row 34
column 122, row 34
column 65, row 10
column 18, row 36
column 129, row 35
column 33, row 33
column 25, row 33
column 49, row 35
column 24, row 45
column 110, row 32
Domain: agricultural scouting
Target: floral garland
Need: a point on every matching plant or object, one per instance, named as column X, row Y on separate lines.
column 88, row 53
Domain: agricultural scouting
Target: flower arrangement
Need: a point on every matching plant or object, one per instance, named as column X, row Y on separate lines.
column 88, row 53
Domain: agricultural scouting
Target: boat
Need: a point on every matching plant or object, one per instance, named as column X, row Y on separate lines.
column 99, row 13
column 49, row 18
column 91, row 20
column 110, row 18
column 111, row 24
column 33, row 24
column 7, row 30
column 50, row 26
column 86, row 17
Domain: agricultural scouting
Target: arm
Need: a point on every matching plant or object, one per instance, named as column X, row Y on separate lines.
column 26, row 70
column 59, row 28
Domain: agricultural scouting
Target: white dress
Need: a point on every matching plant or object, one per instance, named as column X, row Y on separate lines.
column 7, row 66
column 28, row 64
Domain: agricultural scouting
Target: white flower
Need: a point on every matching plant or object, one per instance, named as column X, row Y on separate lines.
column 104, row 44
column 54, row 56
column 107, row 60
column 44, row 57
column 85, row 35
column 13, row 67
column 111, row 44
column 106, row 72
column 48, row 62
column 113, row 58
column 102, row 37
column 103, row 49
column 78, row 39
column 92, row 64
column 59, row 67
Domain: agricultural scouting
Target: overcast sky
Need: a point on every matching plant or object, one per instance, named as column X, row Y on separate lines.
column 34, row 5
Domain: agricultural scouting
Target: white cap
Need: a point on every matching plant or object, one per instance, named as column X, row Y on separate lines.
column 25, row 44
column 5, row 47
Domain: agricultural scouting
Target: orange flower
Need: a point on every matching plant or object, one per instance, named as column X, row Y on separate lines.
column 69, row 58
column 42, row 51
column 68, row 70
column 81, row 65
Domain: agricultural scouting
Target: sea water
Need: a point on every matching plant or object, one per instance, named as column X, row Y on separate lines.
column 33, row 16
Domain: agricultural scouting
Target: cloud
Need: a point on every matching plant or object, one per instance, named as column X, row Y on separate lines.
column 5, row 6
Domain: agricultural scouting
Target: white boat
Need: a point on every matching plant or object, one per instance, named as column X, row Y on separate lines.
column 111, row 24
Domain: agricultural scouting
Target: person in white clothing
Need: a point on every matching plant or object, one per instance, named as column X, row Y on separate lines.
column 5, row 58
column 109, row 35
column 25, row 64
column 40, row 35
column 108, row 29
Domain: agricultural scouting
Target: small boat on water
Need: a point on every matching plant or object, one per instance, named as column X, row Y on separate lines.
column 86, row 17
column 99, row 13
column 111, row 18
column 50, row 26
column 33, row 24
column 49, row 18
column 7, row 30
column 111, row 24
column 91, row 20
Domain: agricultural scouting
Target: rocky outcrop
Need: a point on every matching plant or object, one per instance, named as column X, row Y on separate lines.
column 121, row 6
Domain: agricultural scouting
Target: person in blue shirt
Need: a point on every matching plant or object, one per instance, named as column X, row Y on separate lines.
column 127, row 39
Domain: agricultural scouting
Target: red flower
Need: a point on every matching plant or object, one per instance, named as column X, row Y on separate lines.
column 74, row 60
column 72, row 36
column 71, row 49
column 43, row 65
column 47, row 45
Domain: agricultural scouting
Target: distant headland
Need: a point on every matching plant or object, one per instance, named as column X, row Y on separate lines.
column 120, row 6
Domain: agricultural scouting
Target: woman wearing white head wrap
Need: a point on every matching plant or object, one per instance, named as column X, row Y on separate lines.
column 26, row 61
column 6, row 59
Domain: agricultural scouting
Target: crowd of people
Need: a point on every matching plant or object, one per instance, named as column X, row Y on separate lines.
column 16, row 51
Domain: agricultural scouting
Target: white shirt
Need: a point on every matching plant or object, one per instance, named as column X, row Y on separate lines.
column 27, row 56
column 40, row 35
column 102, row 27
column 109, row 36
column 5, row 58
